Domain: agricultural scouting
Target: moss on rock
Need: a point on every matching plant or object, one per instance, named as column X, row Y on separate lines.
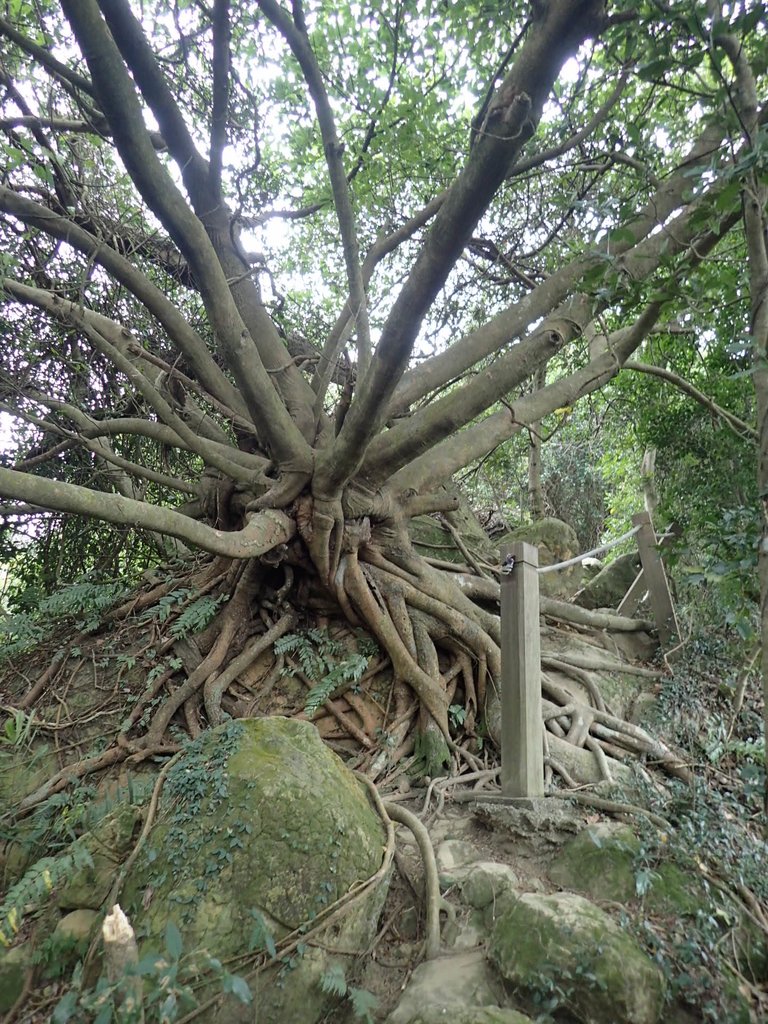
column 566, row 946
column 259, row 818
column 476, row 1015
column 599, row 862
column 557, row 542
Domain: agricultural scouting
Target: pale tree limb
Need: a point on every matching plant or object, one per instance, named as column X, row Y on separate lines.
column 512, row 118
column 179, row 331
column 738, row 426
column 261, row 533
column 109, row 338
column 440, row 418
column 295, row 34
column 511, row 322
column 476, row 441
column 221, row 268
column 117, row 95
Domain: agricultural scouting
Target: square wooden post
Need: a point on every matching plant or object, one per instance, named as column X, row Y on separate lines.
column 522, row 751
column 655, row 578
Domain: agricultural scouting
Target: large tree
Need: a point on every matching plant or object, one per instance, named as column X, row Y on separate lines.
column 452, row 204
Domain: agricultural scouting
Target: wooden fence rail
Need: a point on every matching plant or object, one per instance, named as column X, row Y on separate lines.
column 522, row 741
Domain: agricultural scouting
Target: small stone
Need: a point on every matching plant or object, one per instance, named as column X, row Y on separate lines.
column 77, row 926
column 486, row 881
column 454, row 858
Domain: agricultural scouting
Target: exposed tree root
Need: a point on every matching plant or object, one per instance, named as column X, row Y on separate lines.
column 440, row 646
column 612, row 806
column 433, row 898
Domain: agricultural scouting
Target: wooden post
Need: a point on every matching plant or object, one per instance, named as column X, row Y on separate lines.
column 655, row 578
column 522, row 752
column 631, row 600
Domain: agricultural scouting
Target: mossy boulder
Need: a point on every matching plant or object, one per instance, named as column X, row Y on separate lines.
column 599, row 862
column 486, row 882
column 447, row 987
column 260, row 825
column 14, row 965
column 605, row 862
column 565, row 945
column 607, row 589
column 477, row 1015
column 107, row 846
column 557, row 542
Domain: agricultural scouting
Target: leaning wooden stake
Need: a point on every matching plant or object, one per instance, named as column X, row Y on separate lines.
column 522, row 752
column 656, row 581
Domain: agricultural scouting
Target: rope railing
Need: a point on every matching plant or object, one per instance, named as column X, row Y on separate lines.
column 589, row 554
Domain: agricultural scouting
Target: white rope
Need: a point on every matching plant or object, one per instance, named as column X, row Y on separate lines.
column 594, row 551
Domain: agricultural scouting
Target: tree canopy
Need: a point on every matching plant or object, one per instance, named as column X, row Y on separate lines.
column 275, row 273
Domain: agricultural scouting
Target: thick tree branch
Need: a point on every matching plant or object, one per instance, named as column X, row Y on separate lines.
column 477, row 440
column 181, row 334
column 738, row 426
column 513, row 321
column 121, row 107
column 220, row 88
column 416, row 434
column 261, row 533
column 111, row 340
column 512, row 118
column 296, row 36
column 218, row 223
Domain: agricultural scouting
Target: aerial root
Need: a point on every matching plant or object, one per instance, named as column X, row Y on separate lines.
column 216, row 685
column 607, row 731
column 434, row 900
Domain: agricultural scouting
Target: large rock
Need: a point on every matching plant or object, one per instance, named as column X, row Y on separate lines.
column 14, row 966
column 477, row 1015
column 449, row 986
column 608, row 588
column 260, row 823
column 599, row 862
column 566, row 946
column 97, row 856
column 557, row 542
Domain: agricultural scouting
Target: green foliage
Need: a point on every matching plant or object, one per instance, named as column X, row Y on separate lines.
column 17, row 730
column 84, row 602
column 551, row 989
column 197, row 616
column 261, row 934
column 169, row 984
column 326, row 661
column 198, row 784
column 36, row 885
column 333, row 981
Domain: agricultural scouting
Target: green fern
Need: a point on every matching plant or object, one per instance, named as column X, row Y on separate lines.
column 35, row 885
column 197, row 616
column 326, row 661
column 165, row 606
column 363, row 1004
column 84, row 601
column 333, row 981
